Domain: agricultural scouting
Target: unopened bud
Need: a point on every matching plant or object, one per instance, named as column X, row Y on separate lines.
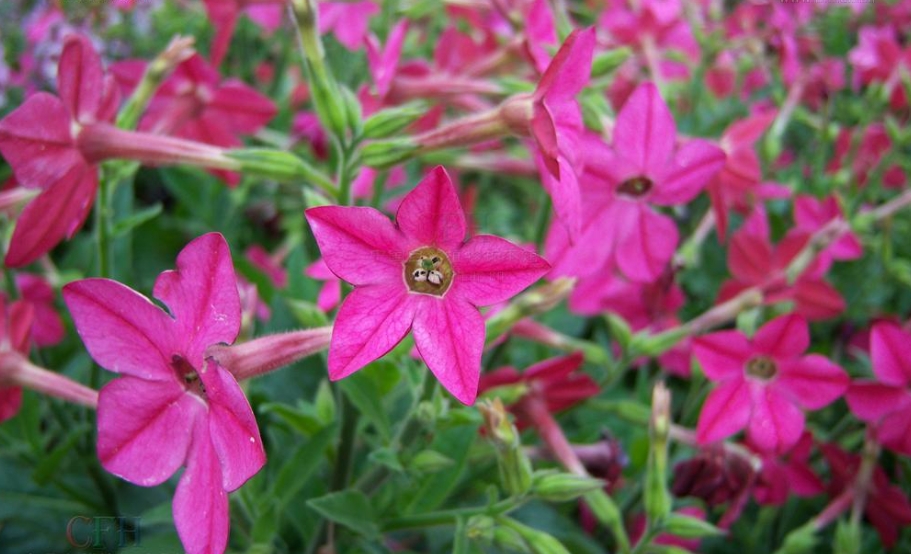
column 687, row 527
column 514, row 465
column 799, row 541
column 429, row 461
column 619, row 329
column 563, row 487
column 387, row 153
column 538, row 542
column 605, row 62
column 657, row 498
column 279, row 165
column 390, row 121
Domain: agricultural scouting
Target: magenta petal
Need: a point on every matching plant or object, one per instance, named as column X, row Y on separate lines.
column 569, row 71
column 202, row 296
column 694, row 165
column 121, row 329
column 47, row 329
column 35, row 139
column 55, row 214
column 370, row 322
column 10, row 401
column 80, row 79
column 360, row 245
column 726, row 410
column 490, row 269
column 431, row 214
column 564, row 191
column 244, row 110
column 813, row 381
column 200, row 503
column 749, row 257
column 645, row 131
column 776, row 424
column 871, row 401
column 144, row 428
column 892, row 431
column 722, row 355
column 817, row 300
column 449, row 334
column 889, row 350
column 646, row 241
column 786, row 336
column 232, row 427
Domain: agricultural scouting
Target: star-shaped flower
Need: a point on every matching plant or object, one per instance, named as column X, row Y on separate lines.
column 418, row 275
column 173, row 406
column 763, row 383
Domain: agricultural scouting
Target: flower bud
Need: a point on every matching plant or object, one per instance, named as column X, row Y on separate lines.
column 563, row 487
column 687, row 527
column 390, row 121
column 387, row 153
column 606, row 62
column 657, row 498
column 799, row 541
column 514, row 465
column 279, row 165
column 429, row 461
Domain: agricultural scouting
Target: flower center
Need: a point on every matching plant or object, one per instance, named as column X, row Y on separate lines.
column 187, row 374
column 635, row 187
column 428, row 271
column 761, row 367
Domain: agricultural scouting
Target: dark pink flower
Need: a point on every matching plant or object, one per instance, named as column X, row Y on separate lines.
column 15, row 327
column 879, row 58
column 642, row 168
column 556, row 382
column 887, row 507
column 885, row 402
column 39, row 141
column 194, row 103
column 812, row 214
column 418, row 275
column 755, row 262
column 47, row 329
column 874, row 144
column 348, row 21
column 224, row 15
column 331, row 292
column 270, row 264
column 787, row 475
column 173, row 406
column 764, row 383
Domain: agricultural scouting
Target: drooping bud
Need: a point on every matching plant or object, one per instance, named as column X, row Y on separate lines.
column 657, row 498
column 563, row 487
column 514, row 465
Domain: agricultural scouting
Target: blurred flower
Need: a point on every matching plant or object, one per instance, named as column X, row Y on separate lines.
column 224, row 15
column 787, row 475
column 643, row 167
column 887, row 507
column 348, row 21
column 172, row 406
column 47, row 329
column 418, row 274
column 885, row 403
column 764, row 383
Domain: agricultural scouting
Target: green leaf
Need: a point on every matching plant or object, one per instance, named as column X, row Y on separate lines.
column 47, row 468
column 300, row 466
column 364, row 392
column 349, row 508
column 126, row 225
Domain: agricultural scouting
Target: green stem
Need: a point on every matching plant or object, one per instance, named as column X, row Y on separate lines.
column 103, row 224
column 449, row 517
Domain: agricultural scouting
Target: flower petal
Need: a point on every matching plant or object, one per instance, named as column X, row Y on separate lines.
column 360, row 245
column 749, row 257
column 694, row 165
column 449, row 334
column 55, row 214
column 569, row 71
column 35, row 140
column 892, row 431
column 370, row 322
column 726, row 411
column 202, row 296
column 813, row 381
column 776, row 424
column 645, row 131
column 80, row 78
column 490, row 269
column 784, row 337
column 10, row 401
column 200, row 503
column 722, row 355
column 244, row 110
column 233, row 429
column 563, row 189
column 431, row 214
column 889, row 350
column 122, row 330
column 645, row 243
column 144, row 428
column 871, row 401
column 817, row 300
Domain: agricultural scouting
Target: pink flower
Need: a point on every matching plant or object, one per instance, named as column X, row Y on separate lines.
column 47, row 329
column 270, row 264
column 224, row 15
column 15, row 326
column 39, row 140
column 886, row 507
column 812, row 214
column 195, row 104
column 348, row 21
column 556, row 382
column 331, row 292
column 755, row 262
column 173, row 406
column 418, row 274
column 643, row 167
column 886, row 402
column 764, row 383
column 791, row 474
